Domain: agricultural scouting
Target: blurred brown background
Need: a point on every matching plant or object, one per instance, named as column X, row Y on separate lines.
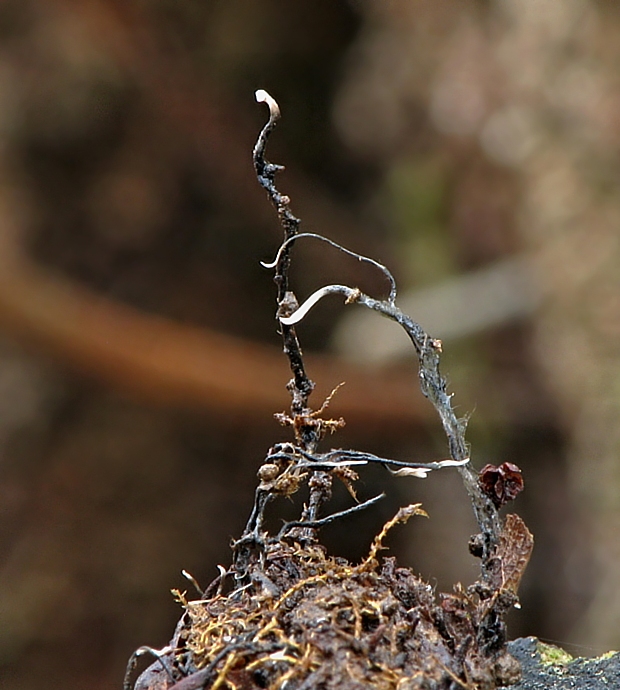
column 473, row 147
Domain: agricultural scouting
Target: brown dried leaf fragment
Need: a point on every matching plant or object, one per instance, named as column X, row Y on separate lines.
column 513, row 554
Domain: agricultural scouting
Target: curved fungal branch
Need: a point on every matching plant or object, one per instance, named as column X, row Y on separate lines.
column 288, row 526
column 434, row 387
column 345, row 458
column 161, row 656
column 410, row 469
column 350, row 294
column 355, row 255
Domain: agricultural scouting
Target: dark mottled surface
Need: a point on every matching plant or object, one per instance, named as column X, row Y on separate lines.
column 602, row 673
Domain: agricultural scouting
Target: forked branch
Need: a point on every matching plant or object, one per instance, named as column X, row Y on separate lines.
column 428, row 349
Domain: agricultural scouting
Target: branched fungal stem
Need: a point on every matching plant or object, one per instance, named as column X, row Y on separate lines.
column 428, row 350
column 307, row 430
column 250, row 619
column 345, row 458
column 301, row 386
column 355, row 255
column 434, row 387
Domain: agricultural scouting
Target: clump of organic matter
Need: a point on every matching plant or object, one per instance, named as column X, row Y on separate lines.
column 286, row 615
column 307, row 620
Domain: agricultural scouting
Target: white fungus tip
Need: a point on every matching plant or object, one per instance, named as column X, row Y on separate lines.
column 419, row 472
column 263, row 97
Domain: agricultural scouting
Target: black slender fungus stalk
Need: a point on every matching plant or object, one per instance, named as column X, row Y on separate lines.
column 301, row 386
column 308, row 430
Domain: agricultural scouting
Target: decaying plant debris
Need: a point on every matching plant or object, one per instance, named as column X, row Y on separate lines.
column 287, row 615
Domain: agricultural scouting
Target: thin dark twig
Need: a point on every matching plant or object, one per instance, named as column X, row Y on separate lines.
column 329, row 518
column 232, row 647
column 214, row 585
column 262, row 498
column 251, row 537
column 266, row 173
column 307, row 430
column 330, row 465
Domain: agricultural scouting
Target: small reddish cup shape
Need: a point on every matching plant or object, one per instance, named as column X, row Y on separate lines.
column 501, row 484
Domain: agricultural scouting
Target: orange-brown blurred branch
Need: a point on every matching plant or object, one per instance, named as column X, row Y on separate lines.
column 164, row 362
column 151, row 357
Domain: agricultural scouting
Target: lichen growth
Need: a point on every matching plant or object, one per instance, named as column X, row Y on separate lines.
column 553, row 656
column 607, row 655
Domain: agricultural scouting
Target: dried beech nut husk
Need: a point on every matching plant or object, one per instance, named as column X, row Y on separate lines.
column 501, row 484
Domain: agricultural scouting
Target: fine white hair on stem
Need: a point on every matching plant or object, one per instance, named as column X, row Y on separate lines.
column 355, row 255
column 263, row 97
column 315, row 297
